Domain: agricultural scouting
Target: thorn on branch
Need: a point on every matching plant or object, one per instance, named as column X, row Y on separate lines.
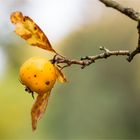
column 106, row 51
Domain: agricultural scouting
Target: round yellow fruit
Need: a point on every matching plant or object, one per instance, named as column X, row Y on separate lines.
column 38, row 74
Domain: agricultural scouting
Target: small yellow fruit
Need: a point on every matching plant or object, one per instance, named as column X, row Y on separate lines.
column 38, row 74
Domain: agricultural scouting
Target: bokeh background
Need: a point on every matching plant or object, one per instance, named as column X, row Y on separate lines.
column 101, row 101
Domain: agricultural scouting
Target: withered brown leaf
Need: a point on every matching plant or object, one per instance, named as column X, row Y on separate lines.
column 30, row 31
column 39, row 108
column 61, row 77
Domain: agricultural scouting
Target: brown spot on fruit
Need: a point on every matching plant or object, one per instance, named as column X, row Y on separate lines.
column 35, row 28
column 47, row 82
column 34, row 75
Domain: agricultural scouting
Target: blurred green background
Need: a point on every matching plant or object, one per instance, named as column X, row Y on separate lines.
column 101, row 101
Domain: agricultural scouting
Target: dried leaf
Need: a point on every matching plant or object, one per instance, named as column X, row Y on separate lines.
column 39, row 108
column 61, row 76
column 30, row 31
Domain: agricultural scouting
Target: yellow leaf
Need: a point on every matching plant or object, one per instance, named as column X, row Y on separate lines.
column 30, row 31
column 61, row 77
column 39, row 108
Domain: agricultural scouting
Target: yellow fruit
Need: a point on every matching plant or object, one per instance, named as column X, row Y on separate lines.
column 38, row 74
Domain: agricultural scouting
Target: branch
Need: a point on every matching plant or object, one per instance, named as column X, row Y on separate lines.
column 137, row 50
column 131, row 13
column 86, row 61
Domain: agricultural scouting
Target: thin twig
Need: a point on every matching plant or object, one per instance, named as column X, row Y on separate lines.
column 131, row 13
column 86, row 61
column 137, row 50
